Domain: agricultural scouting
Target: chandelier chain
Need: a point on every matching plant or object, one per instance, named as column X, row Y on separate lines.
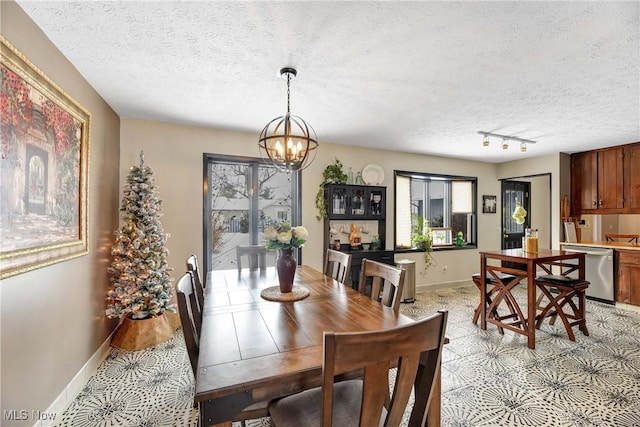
column 288, row 93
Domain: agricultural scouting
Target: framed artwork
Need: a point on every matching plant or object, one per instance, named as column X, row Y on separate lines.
column 441, row 236
column 44, row 162
column 489, row 204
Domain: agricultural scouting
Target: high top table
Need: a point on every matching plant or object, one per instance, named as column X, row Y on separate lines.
column 252, row 350
column 544, row 259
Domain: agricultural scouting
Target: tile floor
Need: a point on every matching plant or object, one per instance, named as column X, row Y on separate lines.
column 487, row 379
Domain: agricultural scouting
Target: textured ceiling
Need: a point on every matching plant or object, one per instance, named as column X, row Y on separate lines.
column 419, row 77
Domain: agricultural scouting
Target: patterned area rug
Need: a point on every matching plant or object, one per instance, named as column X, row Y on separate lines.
column 488, row 379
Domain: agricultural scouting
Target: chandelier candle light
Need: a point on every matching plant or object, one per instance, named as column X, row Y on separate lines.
column 288, row 141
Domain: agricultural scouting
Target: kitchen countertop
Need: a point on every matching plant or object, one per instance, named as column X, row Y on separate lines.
column 605, row 244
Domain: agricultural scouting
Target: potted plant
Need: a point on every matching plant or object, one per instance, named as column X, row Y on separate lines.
column 332, row 174
column 422, row 239
column 139, row 273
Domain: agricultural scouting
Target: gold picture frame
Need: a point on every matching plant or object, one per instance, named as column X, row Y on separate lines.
column 44, row 162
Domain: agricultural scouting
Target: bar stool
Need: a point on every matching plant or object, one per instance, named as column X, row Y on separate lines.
column 492, row 292
column 567, row 289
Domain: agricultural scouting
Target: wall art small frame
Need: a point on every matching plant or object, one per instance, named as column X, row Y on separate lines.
column 489, row 204
column 44, row 161
column 441, row 236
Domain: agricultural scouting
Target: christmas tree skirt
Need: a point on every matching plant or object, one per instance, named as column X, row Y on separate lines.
column 145, row 333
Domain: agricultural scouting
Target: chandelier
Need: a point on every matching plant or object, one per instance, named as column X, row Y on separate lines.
column 288, row 141
column 505, row 140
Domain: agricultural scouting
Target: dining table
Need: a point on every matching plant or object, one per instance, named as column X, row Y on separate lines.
column 254, row 350
column 523, row 266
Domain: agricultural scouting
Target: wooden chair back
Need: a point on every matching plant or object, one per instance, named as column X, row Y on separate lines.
column 610, row 237
column 256, row 255
column 338, row 266
column 190, row 317
column 192, row 266
column 416, row 347
column 387, row 282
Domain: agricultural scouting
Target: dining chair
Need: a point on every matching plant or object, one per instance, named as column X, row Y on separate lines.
column 387, row 282
column 611, row 237
column 560, row 292
column 192, row 266
column 338, row 266
column 493, row 291
column 191, row 319
column 417, row 349
column 256, row 255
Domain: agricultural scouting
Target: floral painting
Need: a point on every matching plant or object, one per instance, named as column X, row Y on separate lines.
column 43, row 168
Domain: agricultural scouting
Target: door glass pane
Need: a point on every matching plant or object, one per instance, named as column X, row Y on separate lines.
column 274, row 198
column 511, row 200
column 229, row 192
column 243, row 198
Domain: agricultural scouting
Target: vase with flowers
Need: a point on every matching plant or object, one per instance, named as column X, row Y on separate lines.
column 285, row 238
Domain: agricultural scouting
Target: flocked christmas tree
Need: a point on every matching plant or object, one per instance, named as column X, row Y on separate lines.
column 139, row 270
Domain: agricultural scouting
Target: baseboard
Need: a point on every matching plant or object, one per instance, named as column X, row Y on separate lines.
column 443, row 285
column 52, row 415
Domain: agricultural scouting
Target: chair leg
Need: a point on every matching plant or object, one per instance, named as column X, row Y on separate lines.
column 494, row 312
column 496, row 295
column 582, row 303
column 555, row 308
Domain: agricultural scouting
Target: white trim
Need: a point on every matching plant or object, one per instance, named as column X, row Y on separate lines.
column 443, row 285
column 76, row 385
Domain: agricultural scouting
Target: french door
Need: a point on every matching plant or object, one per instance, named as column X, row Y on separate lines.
column 243, row 196
column 514, row 194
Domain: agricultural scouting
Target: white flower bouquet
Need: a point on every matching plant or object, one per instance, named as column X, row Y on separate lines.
column 283, row 236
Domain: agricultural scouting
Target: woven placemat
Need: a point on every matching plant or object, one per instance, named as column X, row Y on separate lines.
column 273, row 294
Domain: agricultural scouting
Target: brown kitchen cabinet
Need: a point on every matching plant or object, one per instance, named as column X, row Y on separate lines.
column 632, row 173
column 628, row 277
column 597, row 181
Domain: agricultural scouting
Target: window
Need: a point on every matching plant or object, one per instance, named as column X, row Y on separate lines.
column 243, row 196
column 446, row 203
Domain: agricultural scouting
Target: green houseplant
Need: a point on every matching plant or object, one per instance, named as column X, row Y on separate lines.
column 332, row 174
column 421, row 238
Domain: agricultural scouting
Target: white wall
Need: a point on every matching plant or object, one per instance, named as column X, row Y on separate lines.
column 175, row 152
column 53, row 318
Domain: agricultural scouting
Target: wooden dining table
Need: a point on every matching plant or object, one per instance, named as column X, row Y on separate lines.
column 252, row 350
column 547, row 261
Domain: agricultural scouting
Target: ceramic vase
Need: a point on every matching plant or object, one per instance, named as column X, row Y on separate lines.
column 286, row 266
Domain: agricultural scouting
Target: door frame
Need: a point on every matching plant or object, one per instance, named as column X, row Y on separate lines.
column 296, row 193
column 549, row 221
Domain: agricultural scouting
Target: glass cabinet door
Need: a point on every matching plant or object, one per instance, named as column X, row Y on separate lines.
column 376, row 202
column 357, row 198
column 337, row 201
column 355, row 201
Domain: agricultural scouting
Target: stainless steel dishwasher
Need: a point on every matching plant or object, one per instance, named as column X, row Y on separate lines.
column 598, row 271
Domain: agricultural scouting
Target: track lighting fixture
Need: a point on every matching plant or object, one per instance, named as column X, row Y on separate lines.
column 505, row 140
